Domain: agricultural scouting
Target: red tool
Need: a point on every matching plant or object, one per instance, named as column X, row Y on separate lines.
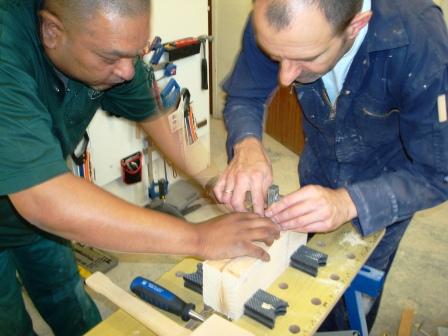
column 184, row 42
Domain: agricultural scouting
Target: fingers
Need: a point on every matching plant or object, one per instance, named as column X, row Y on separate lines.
column 313, row 209
column 251, row 219
column 266, row 235
column 225, row 186
column 255, row 251
column 289, row 200
column 250, row 170
column 258, row 229
column 304, row 223
column 233, row 235
column 259, row 191
column 252, row 222
column 302, row 215
column 232, row 192
column 235, row 197
column 288, row 214
column 221, row 189
column 269, row 240
column 238, row 199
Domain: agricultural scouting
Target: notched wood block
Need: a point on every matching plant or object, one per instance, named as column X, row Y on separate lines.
column 228, row 284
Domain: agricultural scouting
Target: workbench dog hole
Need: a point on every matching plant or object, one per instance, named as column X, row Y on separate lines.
column 283, row 285
column 294, row 329
column 335, row 277
column 321, row 243
column 316, row 301
column 351, row 256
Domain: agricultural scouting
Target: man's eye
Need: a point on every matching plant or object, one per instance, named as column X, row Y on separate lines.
column 109, row 60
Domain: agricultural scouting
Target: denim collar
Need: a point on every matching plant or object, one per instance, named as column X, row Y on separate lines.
column 386, row 28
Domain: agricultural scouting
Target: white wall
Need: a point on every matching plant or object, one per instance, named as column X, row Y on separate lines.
column 228, row 17
column 112, row 138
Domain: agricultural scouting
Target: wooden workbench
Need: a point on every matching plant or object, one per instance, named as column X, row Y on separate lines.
column 310, row 299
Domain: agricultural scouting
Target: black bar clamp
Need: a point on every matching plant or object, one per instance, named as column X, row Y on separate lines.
column 194, row 280
column 264, row 308
column 308, row 260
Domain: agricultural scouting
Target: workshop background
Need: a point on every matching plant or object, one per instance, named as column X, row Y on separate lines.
column 419, row 277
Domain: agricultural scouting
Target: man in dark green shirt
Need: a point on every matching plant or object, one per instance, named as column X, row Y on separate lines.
column 60, row 60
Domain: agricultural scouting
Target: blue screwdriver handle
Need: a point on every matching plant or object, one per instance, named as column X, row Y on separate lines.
column 161, row 297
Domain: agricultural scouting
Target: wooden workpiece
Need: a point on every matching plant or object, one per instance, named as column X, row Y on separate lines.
column 310, row 299
column 153, row 319
column 228, row 284
column 407, row 322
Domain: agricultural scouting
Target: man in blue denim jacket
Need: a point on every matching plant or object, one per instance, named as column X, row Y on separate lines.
column 372, row 80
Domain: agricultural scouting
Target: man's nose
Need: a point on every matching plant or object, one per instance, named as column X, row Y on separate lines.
column 125, row 69
column 289, row 71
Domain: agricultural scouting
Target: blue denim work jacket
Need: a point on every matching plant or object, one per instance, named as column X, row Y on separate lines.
column 386, row 137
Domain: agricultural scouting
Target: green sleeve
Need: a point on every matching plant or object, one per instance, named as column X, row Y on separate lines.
column 133, row 100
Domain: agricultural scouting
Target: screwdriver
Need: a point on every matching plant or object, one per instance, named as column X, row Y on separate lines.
column 162, row 298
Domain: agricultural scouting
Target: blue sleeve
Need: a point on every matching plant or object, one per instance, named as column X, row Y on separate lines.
column 248, row 87
column 423, row 182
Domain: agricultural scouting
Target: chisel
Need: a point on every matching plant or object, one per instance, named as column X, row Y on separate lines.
column 204, row 68
column 162, row 298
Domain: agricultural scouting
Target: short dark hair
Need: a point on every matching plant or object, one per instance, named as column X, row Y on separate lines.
column 80, row 10
column 279, row 14
column 339, row 13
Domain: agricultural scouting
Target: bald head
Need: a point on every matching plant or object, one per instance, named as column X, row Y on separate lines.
column 96, row 42
column 80, row 11
column 339, row 13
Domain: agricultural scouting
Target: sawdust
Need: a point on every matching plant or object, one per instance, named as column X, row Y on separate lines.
column 352, row 239
column 330, row 283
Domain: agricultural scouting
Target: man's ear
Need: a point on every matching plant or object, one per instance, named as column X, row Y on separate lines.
column 52, row 29
column 358, row 22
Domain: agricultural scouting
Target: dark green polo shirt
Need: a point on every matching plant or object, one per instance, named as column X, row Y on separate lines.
column 43, row 116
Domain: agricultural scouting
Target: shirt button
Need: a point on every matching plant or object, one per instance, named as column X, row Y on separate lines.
column 347, row 92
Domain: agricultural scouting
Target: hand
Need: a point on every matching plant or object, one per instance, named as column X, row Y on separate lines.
column 250, row 170
column 313, row 209
column 232, row 235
